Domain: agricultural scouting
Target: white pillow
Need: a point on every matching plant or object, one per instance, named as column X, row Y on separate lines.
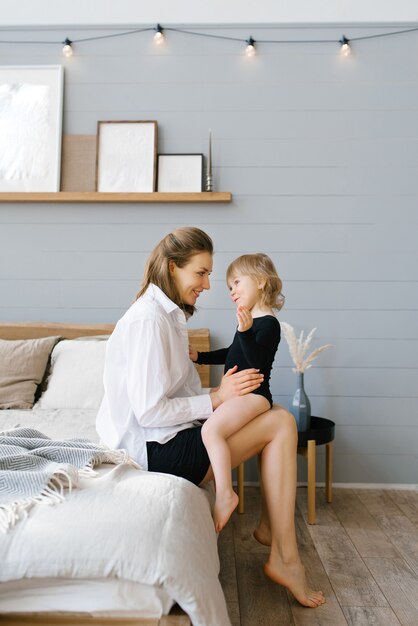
column 76, row 379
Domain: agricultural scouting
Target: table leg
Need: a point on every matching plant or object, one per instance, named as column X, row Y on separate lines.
column 311, row 481
column 328, row 471
column 240, row 480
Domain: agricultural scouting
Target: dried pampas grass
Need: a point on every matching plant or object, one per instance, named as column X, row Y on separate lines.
column 298, row 347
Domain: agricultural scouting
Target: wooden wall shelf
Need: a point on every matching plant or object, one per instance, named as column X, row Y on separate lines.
column 95, row 196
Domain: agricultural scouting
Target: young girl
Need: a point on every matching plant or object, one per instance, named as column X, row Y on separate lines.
column 256, row 290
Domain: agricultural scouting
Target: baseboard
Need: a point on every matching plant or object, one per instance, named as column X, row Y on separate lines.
column 400, row 486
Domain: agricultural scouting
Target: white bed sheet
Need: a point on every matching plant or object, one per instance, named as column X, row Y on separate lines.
column 125, row 524
column 56, row 423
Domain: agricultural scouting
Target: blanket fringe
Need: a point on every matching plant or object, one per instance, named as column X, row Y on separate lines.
column 117, row 457
column 60, row 482
column 53, row 493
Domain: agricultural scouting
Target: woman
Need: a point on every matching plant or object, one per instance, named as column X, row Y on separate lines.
column 153, row 401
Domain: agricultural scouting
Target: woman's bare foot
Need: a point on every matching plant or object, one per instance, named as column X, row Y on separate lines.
column 292, row 576
column 263, row 535
column 224, row 506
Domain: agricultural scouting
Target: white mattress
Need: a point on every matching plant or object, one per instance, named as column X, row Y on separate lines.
column 110, row 597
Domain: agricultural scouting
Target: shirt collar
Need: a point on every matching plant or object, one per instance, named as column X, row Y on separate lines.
column 168, row 305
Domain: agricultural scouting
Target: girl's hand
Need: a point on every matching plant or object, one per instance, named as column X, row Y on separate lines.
column 244, row 317
column 234, row 384
column 192, row 355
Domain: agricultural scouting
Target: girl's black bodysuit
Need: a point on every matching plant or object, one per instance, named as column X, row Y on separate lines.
column 255, row 347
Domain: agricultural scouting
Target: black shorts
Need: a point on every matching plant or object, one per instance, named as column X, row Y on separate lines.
column 185, row 455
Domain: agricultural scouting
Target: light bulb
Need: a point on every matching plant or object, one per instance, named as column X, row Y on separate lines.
column 67, row 49
column 345, row 49
column 250, row 49
column 159, row 35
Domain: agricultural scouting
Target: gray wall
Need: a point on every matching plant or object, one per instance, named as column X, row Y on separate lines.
column 321, row 156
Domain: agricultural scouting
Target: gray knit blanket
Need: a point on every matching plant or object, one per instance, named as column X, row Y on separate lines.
column 35, row 469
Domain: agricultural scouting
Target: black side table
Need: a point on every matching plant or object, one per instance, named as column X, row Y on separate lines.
column 321, row 432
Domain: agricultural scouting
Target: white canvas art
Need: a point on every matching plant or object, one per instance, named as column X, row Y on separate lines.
column 30, row 127
column 126, row 156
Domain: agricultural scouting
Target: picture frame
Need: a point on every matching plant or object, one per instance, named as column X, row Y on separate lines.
column 126, row 156
column 180, row 173
column 31, row 102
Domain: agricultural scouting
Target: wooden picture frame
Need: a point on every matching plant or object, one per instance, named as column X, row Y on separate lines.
column 126, row 156
column 31, row 102
column 180, row 173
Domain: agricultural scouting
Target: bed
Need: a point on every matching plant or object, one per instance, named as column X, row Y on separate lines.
column 124, row 544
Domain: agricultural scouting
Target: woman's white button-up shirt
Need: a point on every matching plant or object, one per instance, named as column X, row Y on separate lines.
column 151, row 388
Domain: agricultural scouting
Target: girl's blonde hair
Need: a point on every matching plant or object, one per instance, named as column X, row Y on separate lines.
column 179, row 247
column 260, row 267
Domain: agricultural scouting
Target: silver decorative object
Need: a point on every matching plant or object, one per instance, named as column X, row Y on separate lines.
column 209, row 165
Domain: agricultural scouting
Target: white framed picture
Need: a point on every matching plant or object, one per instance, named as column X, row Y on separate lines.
column 126, row 156
column 180, row 172
column 30, row 127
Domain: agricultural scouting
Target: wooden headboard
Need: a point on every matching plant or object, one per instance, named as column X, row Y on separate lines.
column 199, row 338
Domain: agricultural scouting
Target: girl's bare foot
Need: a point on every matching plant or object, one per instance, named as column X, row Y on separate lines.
column 292, row 576
column 224, row 506
column 263, row 535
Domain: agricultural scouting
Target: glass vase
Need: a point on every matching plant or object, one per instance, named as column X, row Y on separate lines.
column 301, row 407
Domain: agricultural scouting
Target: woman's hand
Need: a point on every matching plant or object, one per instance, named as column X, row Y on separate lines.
column 235, row 384
column 244, row 317
column 192, row 355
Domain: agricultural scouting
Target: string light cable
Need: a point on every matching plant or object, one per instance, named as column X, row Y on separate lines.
column 249, row 43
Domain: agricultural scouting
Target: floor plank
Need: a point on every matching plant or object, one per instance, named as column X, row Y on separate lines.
column 366, row 616
column 407, row 501
column 228, row 573
column 361, row 526
column 255, row 591
column 399, row 584
column 402, row 533
column 351, row 579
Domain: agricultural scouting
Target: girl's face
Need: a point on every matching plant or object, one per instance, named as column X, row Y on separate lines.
column 245, row 290
column 193, row 278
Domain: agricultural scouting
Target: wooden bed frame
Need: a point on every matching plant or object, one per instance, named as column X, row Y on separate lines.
column 199, row 340
column 198, row 337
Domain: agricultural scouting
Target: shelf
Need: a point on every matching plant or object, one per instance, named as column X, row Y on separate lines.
column 95, row 196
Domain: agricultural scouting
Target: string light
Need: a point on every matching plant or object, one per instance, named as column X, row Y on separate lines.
column 67, row 49
column 250, row 49
column 345, row 46
column 159, row 35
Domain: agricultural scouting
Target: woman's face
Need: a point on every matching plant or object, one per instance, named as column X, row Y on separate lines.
column 193, row 278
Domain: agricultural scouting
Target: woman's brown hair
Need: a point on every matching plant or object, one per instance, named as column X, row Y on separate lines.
column 178, row 246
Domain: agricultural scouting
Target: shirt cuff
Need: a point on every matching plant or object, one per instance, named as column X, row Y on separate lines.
column 202, row 406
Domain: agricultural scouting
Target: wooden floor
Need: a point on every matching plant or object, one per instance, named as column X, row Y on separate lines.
column 362, row 553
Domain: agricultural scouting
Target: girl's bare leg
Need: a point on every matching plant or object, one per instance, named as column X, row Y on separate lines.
column 274, row 435
column 227, row 419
